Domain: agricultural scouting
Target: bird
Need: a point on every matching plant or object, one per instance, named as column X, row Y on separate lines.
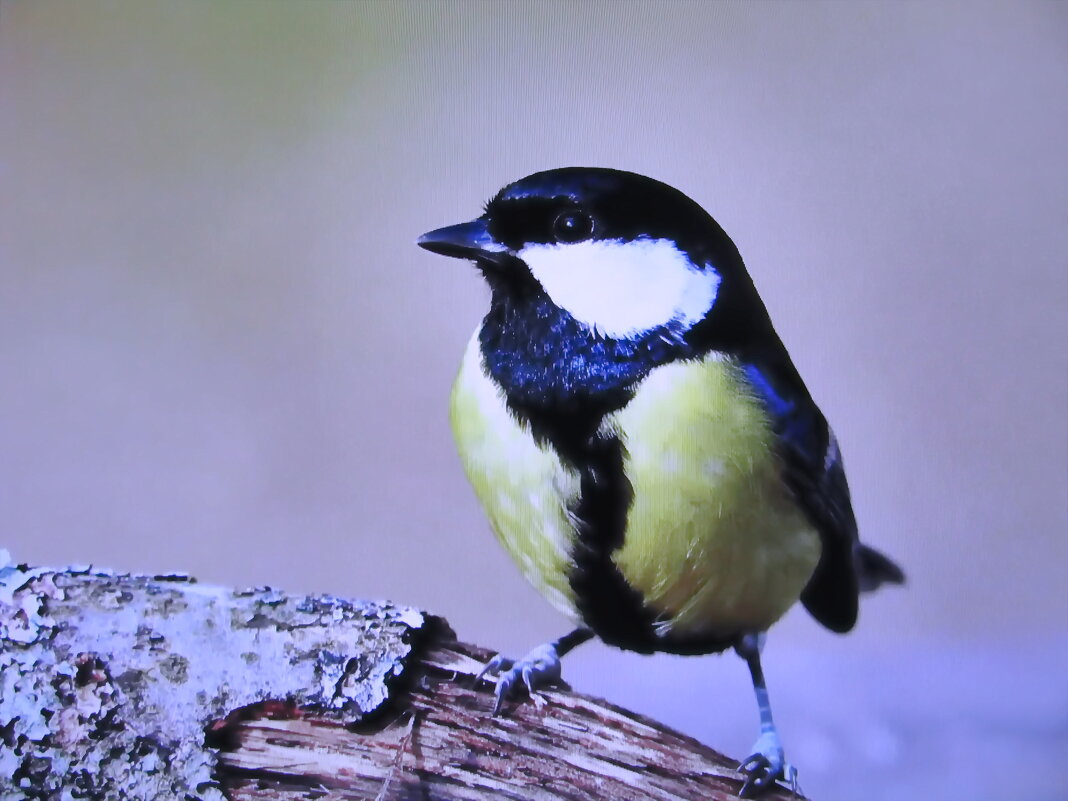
column 639, row 438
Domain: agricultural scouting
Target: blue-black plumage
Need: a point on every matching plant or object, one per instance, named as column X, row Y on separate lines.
column 640, row 440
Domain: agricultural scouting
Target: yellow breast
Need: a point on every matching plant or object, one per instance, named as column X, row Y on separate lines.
column 713, row 542
column 523, row 487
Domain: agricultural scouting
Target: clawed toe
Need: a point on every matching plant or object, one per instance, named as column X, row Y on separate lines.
column 495, row 665
column 540, row 668
column 760, row 775
column 766, row 765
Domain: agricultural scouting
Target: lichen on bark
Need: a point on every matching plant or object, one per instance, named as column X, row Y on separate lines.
column 107, row 681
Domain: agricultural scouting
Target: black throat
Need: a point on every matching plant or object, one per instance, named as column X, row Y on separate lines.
column 562, row 381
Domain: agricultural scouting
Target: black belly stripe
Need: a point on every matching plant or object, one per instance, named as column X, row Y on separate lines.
column 563, row 380
column 615, row 611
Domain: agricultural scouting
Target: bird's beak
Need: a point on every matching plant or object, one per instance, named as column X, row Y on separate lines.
column 469, row 240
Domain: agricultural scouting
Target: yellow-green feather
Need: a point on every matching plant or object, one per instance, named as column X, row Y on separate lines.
column 714, row 542
column 523, row 487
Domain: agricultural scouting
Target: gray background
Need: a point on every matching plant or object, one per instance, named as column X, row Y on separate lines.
column 220, row 350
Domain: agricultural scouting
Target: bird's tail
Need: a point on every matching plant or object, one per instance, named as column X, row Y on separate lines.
column 874, row 569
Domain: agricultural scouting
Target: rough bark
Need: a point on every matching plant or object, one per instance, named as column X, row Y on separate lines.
column 155, row 687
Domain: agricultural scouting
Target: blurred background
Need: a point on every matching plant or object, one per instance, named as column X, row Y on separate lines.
column 221, row 351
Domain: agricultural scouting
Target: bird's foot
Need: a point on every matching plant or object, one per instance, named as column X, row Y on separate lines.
column 765, row 766
column 539, row 668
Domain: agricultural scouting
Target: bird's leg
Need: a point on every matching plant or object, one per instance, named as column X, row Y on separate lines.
column 767, row 762
column 539, row 668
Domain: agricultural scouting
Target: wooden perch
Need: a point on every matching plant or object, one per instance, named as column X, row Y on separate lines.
column 155, row 687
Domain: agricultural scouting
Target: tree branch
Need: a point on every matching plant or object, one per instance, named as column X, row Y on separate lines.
column 155, row 687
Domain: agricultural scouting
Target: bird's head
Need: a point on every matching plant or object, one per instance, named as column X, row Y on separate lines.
column 624, row 255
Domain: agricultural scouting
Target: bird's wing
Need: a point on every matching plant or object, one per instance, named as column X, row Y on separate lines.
column 813, row 470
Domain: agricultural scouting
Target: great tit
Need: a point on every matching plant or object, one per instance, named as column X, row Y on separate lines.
column 637, row 435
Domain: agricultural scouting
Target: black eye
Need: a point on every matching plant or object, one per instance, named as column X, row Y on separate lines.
column 572, row 226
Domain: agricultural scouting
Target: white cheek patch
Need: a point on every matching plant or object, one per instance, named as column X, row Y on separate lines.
column 621, row 289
